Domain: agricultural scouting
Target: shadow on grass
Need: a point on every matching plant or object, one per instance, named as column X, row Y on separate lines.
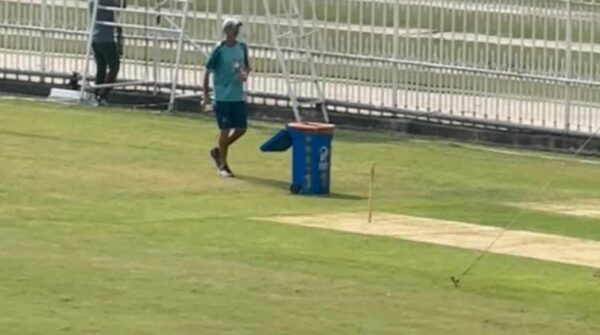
column 285, row 186
column 272, row 183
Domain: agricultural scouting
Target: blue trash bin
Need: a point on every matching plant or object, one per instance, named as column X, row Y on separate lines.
column 311, row 155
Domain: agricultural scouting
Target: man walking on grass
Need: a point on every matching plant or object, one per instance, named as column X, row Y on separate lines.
column 229, row 66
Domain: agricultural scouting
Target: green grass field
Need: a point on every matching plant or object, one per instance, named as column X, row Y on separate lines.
column 114, row 222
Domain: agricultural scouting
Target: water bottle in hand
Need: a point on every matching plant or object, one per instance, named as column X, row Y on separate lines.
column 241, row 71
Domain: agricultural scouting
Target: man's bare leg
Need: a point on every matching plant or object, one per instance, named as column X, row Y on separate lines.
column 223, row 147
column 235, row 135
column 226, row 139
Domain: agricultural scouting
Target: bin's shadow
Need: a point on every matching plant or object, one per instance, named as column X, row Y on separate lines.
column 285, row 186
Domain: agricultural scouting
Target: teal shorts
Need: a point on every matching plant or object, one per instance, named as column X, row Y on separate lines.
column 231, row 114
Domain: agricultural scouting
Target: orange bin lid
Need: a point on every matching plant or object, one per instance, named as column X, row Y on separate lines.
column 312, row 127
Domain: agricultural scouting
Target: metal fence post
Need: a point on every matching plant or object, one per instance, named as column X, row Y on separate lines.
column 43, row 37
column 219, row 19
column 245, row 11
column 396, row 51
column 88, row 49
column 569, row 64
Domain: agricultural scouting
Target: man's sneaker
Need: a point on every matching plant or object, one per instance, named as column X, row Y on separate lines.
column 226, row 168
column 224, row 173
column 214, row 153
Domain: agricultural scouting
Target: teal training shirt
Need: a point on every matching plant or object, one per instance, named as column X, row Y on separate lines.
column 225, row 64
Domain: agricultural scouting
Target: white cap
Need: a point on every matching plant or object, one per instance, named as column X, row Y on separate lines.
column 231, row 23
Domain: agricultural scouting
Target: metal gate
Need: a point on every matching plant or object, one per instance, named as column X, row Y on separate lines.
column 529, row 63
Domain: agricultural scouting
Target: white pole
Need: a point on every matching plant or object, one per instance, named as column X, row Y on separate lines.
column 568, row 65
column 281, row 59
column 178, row 57
column 43, row 37
column 219, row 32
column 156, row 54
column 371, row 186
column 246, row 16
column 88, row 49
column 396, row 52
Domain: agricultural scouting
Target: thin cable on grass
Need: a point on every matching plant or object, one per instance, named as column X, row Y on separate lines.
column 457, row 279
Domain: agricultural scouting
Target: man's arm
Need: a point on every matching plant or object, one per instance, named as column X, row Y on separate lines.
column 211, row 65
column 205, row 87
column 246, row 58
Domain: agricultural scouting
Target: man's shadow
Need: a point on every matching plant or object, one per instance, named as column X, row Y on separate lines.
column 285, row 186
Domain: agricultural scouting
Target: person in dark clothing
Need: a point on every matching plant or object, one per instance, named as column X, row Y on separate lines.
column 105, row 47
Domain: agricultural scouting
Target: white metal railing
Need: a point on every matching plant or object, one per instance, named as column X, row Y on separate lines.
column 529, row 62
